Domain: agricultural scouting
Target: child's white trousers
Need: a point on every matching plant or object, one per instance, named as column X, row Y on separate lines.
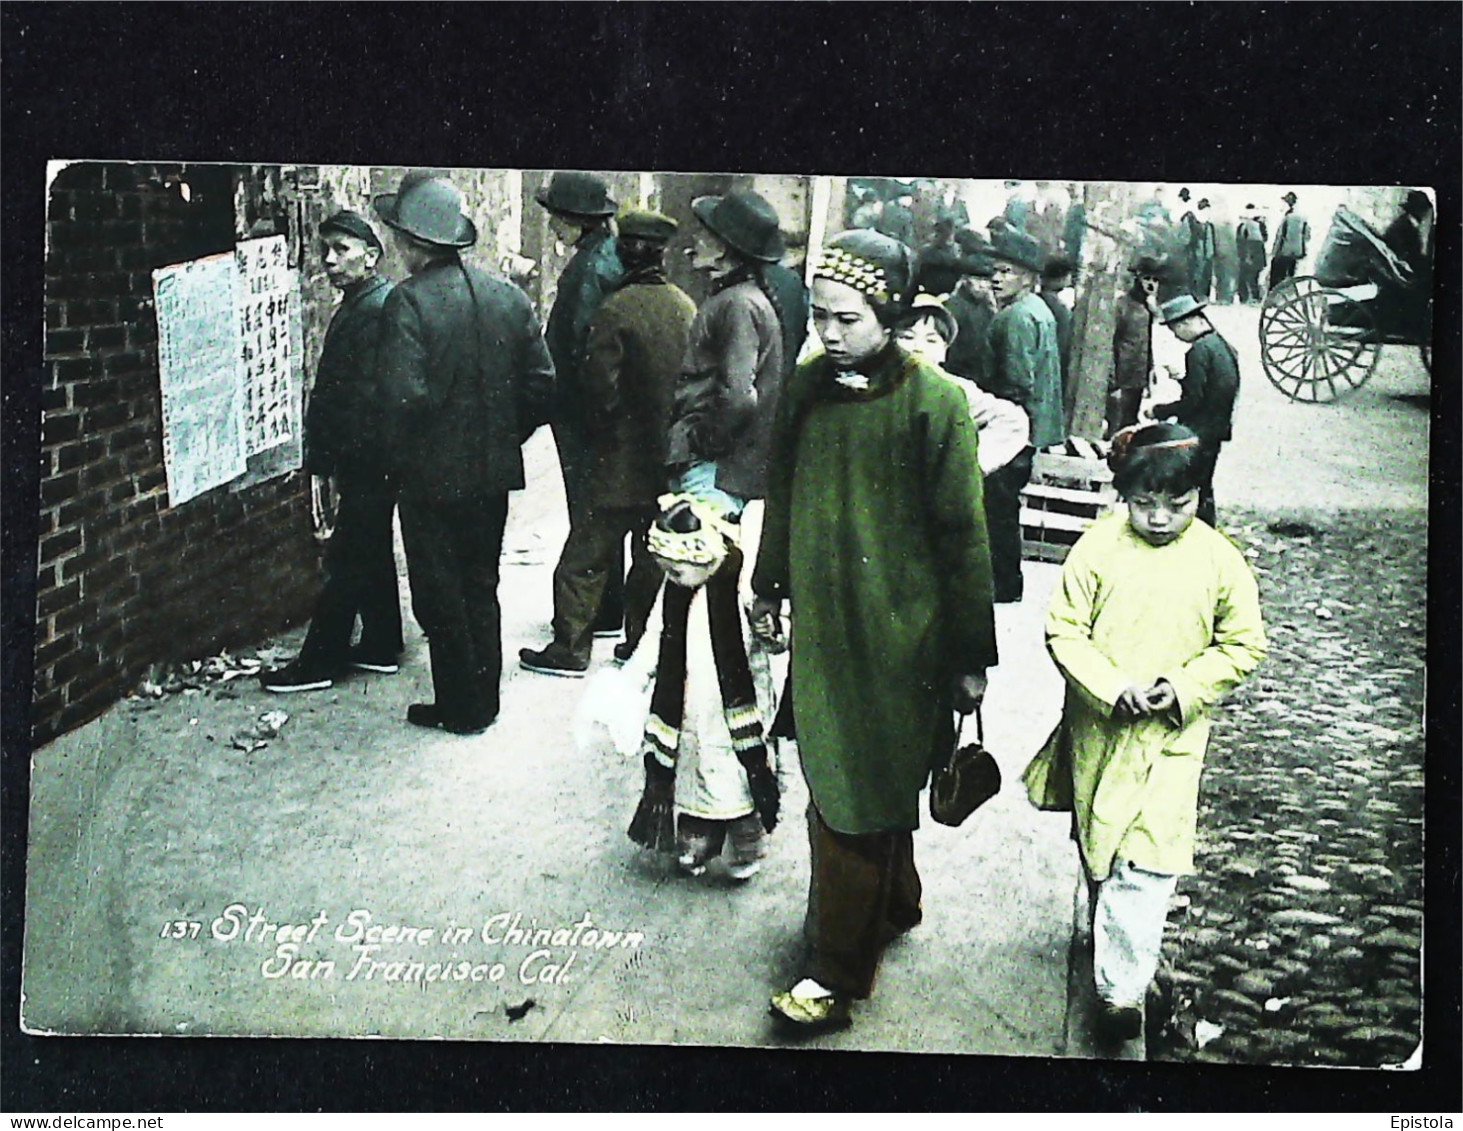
column 1127, row 931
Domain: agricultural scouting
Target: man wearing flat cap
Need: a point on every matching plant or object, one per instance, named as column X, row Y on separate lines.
column 1210, row 388
column 580, row 208
column 1026, row 369
column 343, row 441
column 467, row 379
column 629, row 372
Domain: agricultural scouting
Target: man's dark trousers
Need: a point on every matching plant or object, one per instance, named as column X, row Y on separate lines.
column 1204, row 479
column 360, row 578
column 452, row 552
column 1003, row 523
column 577, row 468
column 590, row 564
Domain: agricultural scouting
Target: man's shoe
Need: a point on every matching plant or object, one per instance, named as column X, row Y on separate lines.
column 624, row 650
column 553, row 660
column 296, row 677
column 1119, row 1022
column 430, row 715
column 383, row 662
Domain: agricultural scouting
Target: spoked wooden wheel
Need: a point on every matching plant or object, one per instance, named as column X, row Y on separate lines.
column 1316, row 343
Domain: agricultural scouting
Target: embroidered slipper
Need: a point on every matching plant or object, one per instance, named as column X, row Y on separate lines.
column 809, row 1014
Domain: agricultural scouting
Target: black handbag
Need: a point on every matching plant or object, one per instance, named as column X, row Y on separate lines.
column 967, row 780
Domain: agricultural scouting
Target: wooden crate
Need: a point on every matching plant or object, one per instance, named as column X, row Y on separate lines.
column 1065, row 494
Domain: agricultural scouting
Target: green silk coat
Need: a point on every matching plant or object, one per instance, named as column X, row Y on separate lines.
column 875, row 529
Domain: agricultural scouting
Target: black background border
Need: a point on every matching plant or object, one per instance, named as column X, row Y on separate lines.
column 1267, row 93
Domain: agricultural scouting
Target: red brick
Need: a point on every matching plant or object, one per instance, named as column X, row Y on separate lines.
column 60, row 488
column 81, row 509
column 122, row 363
column 54, row 600
column 68, row 369
column 151, row 479
column 49, row 653
column 77, row 455
column 98, row 392
column 105, row 574
column 106, row 337
column 58, row 545
column 103, row 473
column 60, row 428
column 105, row 417
column 69, row 618
column 65, row 341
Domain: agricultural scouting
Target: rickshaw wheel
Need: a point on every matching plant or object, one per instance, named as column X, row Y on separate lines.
column 1316, row 343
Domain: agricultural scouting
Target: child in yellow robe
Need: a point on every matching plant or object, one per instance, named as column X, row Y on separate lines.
column 1155, row 620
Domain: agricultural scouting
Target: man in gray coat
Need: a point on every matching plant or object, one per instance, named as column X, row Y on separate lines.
column 467, row 379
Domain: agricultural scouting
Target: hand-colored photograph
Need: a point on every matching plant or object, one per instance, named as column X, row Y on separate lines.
column 873, row 613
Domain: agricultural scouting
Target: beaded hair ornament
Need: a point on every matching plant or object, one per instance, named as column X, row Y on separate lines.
column 854, row 271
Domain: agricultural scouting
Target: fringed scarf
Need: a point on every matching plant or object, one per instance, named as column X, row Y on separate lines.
column 733, row 672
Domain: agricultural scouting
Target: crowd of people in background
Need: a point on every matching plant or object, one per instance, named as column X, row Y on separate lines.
column 873, row 484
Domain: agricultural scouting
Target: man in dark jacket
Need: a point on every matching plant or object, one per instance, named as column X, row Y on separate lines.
column 342, row 440
column 630, row 369
column 1132, row 345
column 1027, row 370
column 1210, row 387
column 1292, row 239
column 974, row 308
column 467, row 379
column 579, row 210
column 1056, row 276
column 1250, row 237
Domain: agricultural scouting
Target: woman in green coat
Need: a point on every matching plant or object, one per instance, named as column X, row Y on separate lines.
column 875, row 530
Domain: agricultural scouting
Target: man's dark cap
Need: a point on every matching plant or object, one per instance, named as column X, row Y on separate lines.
column 643, row 224
column 1057, row 267
column 352, row 224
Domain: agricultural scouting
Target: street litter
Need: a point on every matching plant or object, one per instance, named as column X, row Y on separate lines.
column 267, row 726
column 1206, row 1031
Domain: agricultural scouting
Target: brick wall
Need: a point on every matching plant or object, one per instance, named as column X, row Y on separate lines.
column 123, row 579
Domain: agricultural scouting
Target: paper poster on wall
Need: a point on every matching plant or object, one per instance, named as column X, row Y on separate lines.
column 203, row 437
column 263, row 287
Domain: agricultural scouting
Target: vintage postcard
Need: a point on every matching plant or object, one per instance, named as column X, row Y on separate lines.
column 246, row 821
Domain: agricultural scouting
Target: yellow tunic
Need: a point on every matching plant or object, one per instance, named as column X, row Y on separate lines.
column 1128, row 613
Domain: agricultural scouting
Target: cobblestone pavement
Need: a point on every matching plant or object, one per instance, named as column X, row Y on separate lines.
column 1299, row 940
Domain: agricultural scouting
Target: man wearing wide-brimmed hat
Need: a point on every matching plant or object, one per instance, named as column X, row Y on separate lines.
column 1210, row 388
column 1292, row 239
column 580, row 208
column 974, row 308
column 1027, row 369
column 732, row 373
column 466, row 379
column 630, row 370
column 343, row 442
